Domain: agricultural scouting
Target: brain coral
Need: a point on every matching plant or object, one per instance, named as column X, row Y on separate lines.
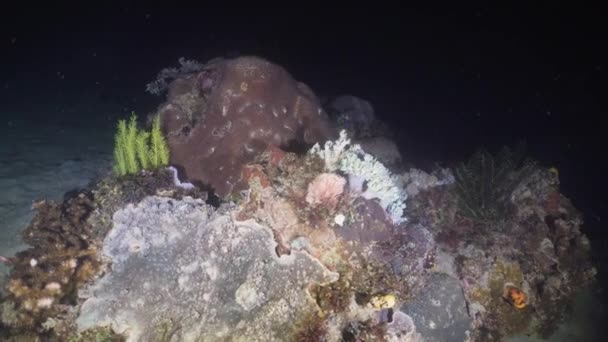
column 221, row 117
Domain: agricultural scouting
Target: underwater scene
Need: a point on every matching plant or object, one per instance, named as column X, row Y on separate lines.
column 210, row 220
column 237, row 198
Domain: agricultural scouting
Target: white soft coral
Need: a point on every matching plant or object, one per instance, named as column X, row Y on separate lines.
column 352, row 160
column 332, row 152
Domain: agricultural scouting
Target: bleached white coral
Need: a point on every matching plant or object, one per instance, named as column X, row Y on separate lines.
column 332, row 151
column 352, row 160
column 380, row 183
column 177, row 182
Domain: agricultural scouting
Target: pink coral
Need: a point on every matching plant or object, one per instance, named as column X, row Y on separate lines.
column 325, row 189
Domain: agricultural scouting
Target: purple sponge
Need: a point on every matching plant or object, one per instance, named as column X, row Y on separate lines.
column 218, row 119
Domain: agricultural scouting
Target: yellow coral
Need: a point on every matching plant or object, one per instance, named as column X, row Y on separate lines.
column 136, row 149
column 383, row 301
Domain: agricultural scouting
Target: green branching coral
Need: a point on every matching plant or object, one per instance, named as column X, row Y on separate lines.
column 124, row 147
column 142, row 149
column 484, row 183
column 159, row 152
column 136, row 149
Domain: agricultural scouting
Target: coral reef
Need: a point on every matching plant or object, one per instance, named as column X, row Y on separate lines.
column 518, row 273
column 378, row 262
column 314, row 237
column 63, row 257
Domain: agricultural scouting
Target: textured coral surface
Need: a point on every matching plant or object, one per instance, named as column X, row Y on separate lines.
column 196, row 269
column 225, row 115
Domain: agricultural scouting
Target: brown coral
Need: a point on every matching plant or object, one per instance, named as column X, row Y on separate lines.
column 63, row 257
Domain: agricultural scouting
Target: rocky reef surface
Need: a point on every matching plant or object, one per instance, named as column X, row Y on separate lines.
column 332, row 241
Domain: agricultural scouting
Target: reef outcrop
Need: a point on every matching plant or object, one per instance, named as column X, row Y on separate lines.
column 323, row 242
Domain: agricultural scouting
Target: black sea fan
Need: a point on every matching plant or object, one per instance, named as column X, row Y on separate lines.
column 485, row 182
